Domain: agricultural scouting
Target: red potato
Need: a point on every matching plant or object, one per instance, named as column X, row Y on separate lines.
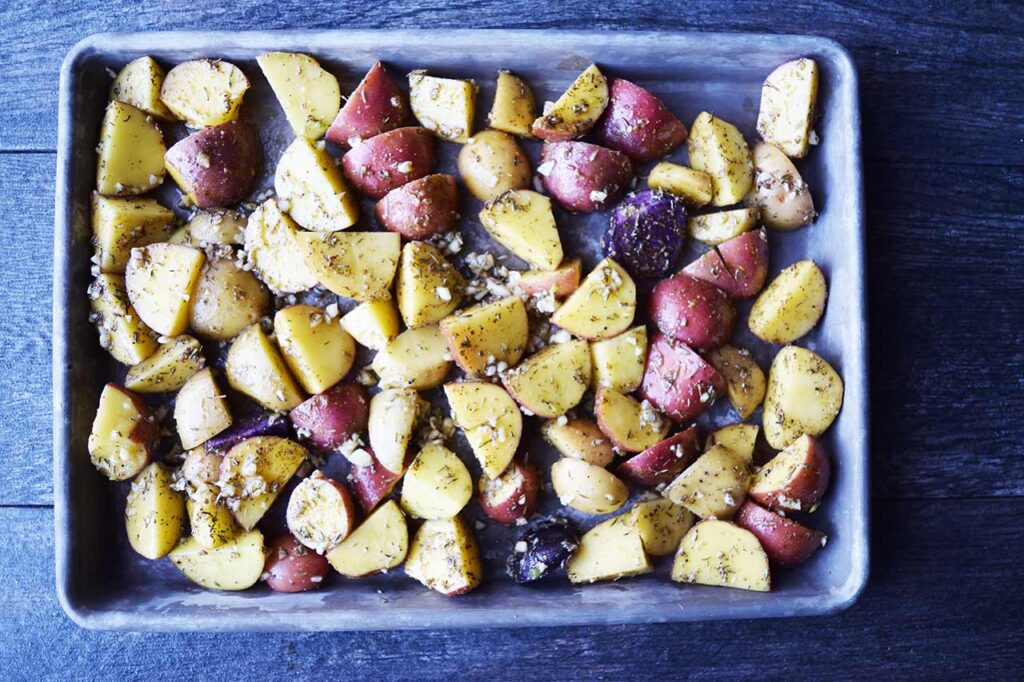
column 786, row 542
column 124, row 435
column 389, row 160
column 584, row 177
column 738, row 267
column 376, row 106
column 332, row 417
column 291, row 567
column 561, row 282
column 421, row 208
column 320, row 513
column 660, row 464
column 373, row 482
column 637, row 124
column 677, row 381
column 512, row 495
column 216, row 166
column 795, row 479
column 692, row 311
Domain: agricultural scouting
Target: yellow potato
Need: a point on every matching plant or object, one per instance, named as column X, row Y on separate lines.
column 372, row 323
column 138, row 84
column 429, row 287
column 393, row 416
column 787, row 106
column 201, row 410
column 445, row 557
column 254, row 472
column 631, row 425
column 716, row 228
column 216, row 226
column 490, row 420
column 514, row 108
column 577, row 110
column 744, row 379
column 417, row 358
column 491, row 163
column 124, row 434
column 130, row 159
column 161, row 280
column 603, row 306
column 662, row 524
column 553, row 380
column 204, row 92
column 740, row 438
column 309, row 95
column 692, row 186
column 587, row 487
column 119, row 225
column 718, row 148
column 312, row 187
column 779, row 192
column 212, row 523
column 122, row 332
column 316, row 349
column 255, row 367
column 380, row 543
column 234, row 565
column 804, row 396
column 791, row 304
column 718, row 553
column 320, row 512
column 522, row 221
column 154, row 513
column 619, row 361
column 227, row 299
column 168, row 368
column 579, row 439
column 437, row 484
column 444, row 105
column 482, row 338
column 714, row 485
column 359, row 265
column 610, row 550
column 278, row 257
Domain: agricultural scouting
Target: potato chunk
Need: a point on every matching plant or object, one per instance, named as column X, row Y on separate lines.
column 138, row 84
column 787, row 106
column 791, row 304
column 119, row 225
column 490, row 420
column 154, row 513
column 321, row 512
column 378, row 544
column 309, row 95
column 315, row 347
column 553, row 380
column 718, row 228
column 122, row 332
column 715, row 485
column 579, row 439
column 577, row 110
column 662, row 524
column 522, row 221
column 204, row 92
column 632, row 426
column 445, row 557
column 718, row 148
column 491, row 163
column 212, row 523
column 359, row 265
column 779, row 192
column 255, row 367
column 804, row 396
column 743, row 376
column 429, row 287
column 168, row 368
column 487, row 335
column 514, row 107
column 234, row 565
column 603, row 306
column 314, row 189
column 587, row 487
column 372, row 323
column 619, row 361
column 444, row 105
column 437, row 484
column 131, row 152
column 393, row 416
column 277, row 255
column 253, row 473
column 227, row 299
column 740, row 438
column 124, row 434
column 416, row 358
column 161, row 279
column 610, row 550
column 692, row 186
column 718, row 553
column 201, row 410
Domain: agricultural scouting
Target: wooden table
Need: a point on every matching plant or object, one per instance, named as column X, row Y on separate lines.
column 942, row 91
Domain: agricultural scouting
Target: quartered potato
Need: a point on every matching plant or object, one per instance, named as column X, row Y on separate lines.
column 445, row 557
column 637, row 123
column 330, row 419
column 421, row 208
column 131, row 152
column 443, row 105
column 161, row 280
column 491, row 163
column 483, row 337
column 744, row 379
column 577, row 110
column 610, row 550
column 122, row 332
column 200, row 410
column 514, row 108
column 786, row 542
column 227, row 299
column 417, row 358
column 662, row 524
column 321, row 513
column 154, row 513
column 119, row 225
column 216, row 226
column 678, row 381
column 313, row 188
column 139, row 84
column 278, row 257
column 359, row 265
column 490, row 420
column 291, row 567
column 204, row 92
column 791, row 304
column 429, row 287
column 795, row 479
column 694, row 187
column 376, row 106
column 584, row 177
column 632, row 426
column 716, row 228
column 372, row 482
column 234, row 565
column 212, row 523
column 739, row 267
column 740, row 438
column 718, row 553
column 389, row 160
column 255, row 367
column 553, row 380
column 315, row 347
column 309, row 95
column 779, row 192
column 560, row 282
column 587, row 487
column 173, row 363
column 619, row 361
column 718, row 148
column 393, row 416
column 437, row 484
column 253, row 473
column 787, row 106
column 124, row 434
column 512, row 496
column 603, row 306
column 216, row 166
column 522, row 221
column 579, row 439
column 372, row 323
column 379, row 544
column 713, row 486
column 659, row 464
column 804, row 396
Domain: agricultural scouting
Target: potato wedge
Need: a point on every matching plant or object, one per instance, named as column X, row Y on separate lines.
column 512, row 496
column 721, row 226
column 253, row 473
column 484, row 336
column 579, row 439
column 553, row 380
column 168, row 368
column 227, row 299
column 514, row 108
column 718, row 553
column 662, row 524
column 372, row 323
column 421, row 208
column 637, row 123
column 740, row 438
column 377, row 545
column 445, row 557
column 389, row 160
column 659, row 464
column 393, row 416
column 692, row 186
column 584, row 177
column 678, row 381
column 216, row 226
column 444, row 105
column 437, row 484
column 376, row 106
column 744, row 379
column 201, row 410
column 329, row 419
column 372, row 482
column 255, row 367
column 619, row 361
column 739, row 267
column 154, row 513
column 314, row 189
column 577, row 110
column 315, row 347
column 522, row 221
column 204, row 92
column 272, row 245
column 791, row 304
column 124, row 434
column 120, row 225
column 122, row 332
column 234, row 565
column 786, row 542
column 788, row 99
column 293, row 568
column 216, row 166
column 718, row 148
column 429, row 287
column 795, row 479
column 161, row 280
column 139, row 84
column 212, row 523
column 587, row 487
column 804, row 395
column 610, row 550
column 359, row 265
column 603, row 306
column 309, row 95
column 130, row 159
column 417, row 358
column 560, row 283
column 779, row 192
column 321, row 513
column 490, row 420
column 713, row 486
column 492, row 163
column 631, row 425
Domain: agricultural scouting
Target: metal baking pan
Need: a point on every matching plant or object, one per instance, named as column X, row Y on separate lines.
column 102, row 584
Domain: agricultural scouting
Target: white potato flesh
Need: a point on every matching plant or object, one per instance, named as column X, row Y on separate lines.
column 483, row 337
column 579, row 439
column 123, row 434
column 603, row 306
column 587, row 487
column 232, row 566
column 744, row 378
column 445, row 557
column 138, row 84
column 631, row 425
column 379, row 544
column 130, row 157
column 788, row 99
column 273, row 248
column 393, row 415
column 309, row 95
column 740, row 438
column 173, row 363
column 373, row 323
column 619, row 361
column 122, row 333
column 522, row 221
column 716, row 228
column 359, row 265
column 804, row 396
column 713, row 486
column 437, row 484
column 200, row 410
column 154, row 512
column 610, row 550
column 553, row 380
column 255, row 367
column 417, row 358
column 320, row 513
column 119, row 225
column 161, row 280
column 490, row 420
column 514, row 108
column 720, row 554
column 662, row 524
column 692, row 186
column 429, row 287
column 253, row 473
column 212, row 523
column 314, row 346
column 578, row 108
column 791, row 304
column 204, row 92
column 444, row 105
column 717, row 147
column 313, row 189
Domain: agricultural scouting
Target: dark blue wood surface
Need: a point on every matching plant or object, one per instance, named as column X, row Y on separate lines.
column 942, row 93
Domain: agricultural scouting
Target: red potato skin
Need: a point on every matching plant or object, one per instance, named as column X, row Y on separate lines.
column 333, row 416
column 659, row 464
column 563, row 281
column 807, row 485
column 376, row 106
column 675, row 378
column 692, row 311
column 786, row 542
column 291, row 567
column 520, row 503
column 579, row 170
column 217, row 166
column 637, row 124
column 421, row 208
column 374, row 482
column 373, row 166
column 739, row 268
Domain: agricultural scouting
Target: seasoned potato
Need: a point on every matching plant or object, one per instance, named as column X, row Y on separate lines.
column 610, row 550
column 378, row 544
column 692, row 186
column 372, row 323
column 490, row 420
column 560, row 283
column 619, row 361
column 359, row 265
column 212, row 523
column 119, row 225
column 716, row 228
column 376, row 106
column 718, row 553
column 514, row 108
column 744, row 379
column 417, row 358
column 715, row 485
column 216, row 226
column 320, row 513
column 278, row 257
column 161, row 280
column 444, row 105
column 445, row 557
column 310, row 184
column 372, row 482
column 122, row 332
column 787, row 106
column 587, row 487
column 542, row 550
column 201, row 466
column 637, row 123
column 662, row 524
column 718, row 148
column 389, row 160
column 316, row 349
column 678, row 381
column 646, row 234
column 584, row 177
column 786, row 542
column 291, row 567
column 553, row 380
column 739, row 267
column 795, row 479
column 804, row 396
column 255, row 367
column 632, row 426
column 779, row 191
column 139, row 84
column 332, row 417
column 130, row 159
column 579, row 439
column 740, row 438
column 234, row 565
column 512, row 496
column 227, row 299
column 124, row 434
column 253, row 473
column 659, row 464
column 791, row 304
column 487, row 335
column 421, row 208
column 173, row 363
column 491, row 163
column 603, row 306
column 522, row 221
column 429, row 287
column 309, row 95
column 216, row 166
column 154, row 513
column 201, row 410
column 437, row 484
column 393, row 416
column 204, row 92
column 577, row 110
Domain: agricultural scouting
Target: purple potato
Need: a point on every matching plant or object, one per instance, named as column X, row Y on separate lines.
column 249, row 427
column 549, row 545
column 647, row 234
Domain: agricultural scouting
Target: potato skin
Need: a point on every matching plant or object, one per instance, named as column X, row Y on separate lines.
column 376, row 106
column 334, row 416
column 421, row 208
column 786, row 542
column 779, row 191
column 491, row 163
column 267, row 424
column 745, row 266
column 584, row 177
column 659, row 464
column 637, row 123
column 679, row 382
column 291, row 567
column 372, row 482
column 692, row 311
column 647, row 233
column 521, row 482
column 216, row 166
column 796, row 479
column 389, row 160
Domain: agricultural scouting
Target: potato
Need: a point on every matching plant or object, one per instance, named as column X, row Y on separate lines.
column 204, row 92
column 577, row 110
column 603, row 306
column 632, row 426
column 393, row 416
column 738, row 267
column 278, row 257
column 692, row 186
column 389, row 160
column 200, row 411
column 309, row 95
column 587, row 487
column 579, row 439
column 553, row 380
column 692, row 311
column 680, row 383
column 791, row 304
column 216, row 166
column 372, row 482
column 522, row 221
column 437, row 484
column 119, row 225
column 235, row 565
column 130, row 157
column 429, row 287
column 315, row 347
column 227, row 299
column 785, row 542
column 161, row 280
column 139, row 84
column 168, row 368
column 740, row 438
column 560, row 283
column 512, row 496
column 308, row 182
column 421, row 208
column 216, row 226
column 291, row 567
column 787, row 106
column 713, row 486
column 490, row 420
column 647, row 234
column 744, row 379
column 376, row 106
column 779, row 192
column 718, row 553
column 483, row 337
column 795, row 479
column 253, row 473
column 619, row 361
column 154, row 513
column 263, row 423
column 662, row 524
column 514, row 108
column 445, row 557
column 331, row 418
column 359, row 265
column 444, row 105
column 255, row 368
column 542, row 550
column 584, row 177
column 718, row 148
column 200, row 467
column 417, row 358
column 379, row 544
column 659, row 464
column 372, row 323
column 124, row 434
column 721, row 226
column 492, row 163
column 610, row 550
column 121, row 331
column 212, row 523
column 637, row 124
column 320, row 513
